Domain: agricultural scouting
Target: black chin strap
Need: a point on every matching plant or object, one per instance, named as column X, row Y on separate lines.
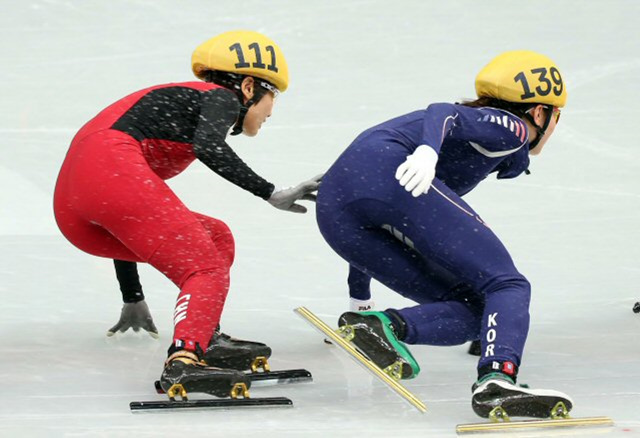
column 540, row 130
column 237, row 128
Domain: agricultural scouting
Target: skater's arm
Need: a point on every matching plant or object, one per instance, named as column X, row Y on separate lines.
column 135, row 312
column 219, row 112
column 129, row 281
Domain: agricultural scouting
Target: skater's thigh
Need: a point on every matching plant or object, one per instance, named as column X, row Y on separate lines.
column 93, row 239
column 107, row 183
column 383, row 253
column 446, row 231
column 78, row 183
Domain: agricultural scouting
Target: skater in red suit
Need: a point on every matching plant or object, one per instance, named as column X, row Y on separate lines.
column 111, row 199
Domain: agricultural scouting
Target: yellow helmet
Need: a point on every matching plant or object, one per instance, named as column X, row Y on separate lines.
column 522, row 76
column 243, row 52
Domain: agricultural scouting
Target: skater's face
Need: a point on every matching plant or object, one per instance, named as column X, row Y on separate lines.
column 539, row 114
column 259, row 112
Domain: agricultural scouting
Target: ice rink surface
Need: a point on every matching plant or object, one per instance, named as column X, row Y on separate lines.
column 571, row 226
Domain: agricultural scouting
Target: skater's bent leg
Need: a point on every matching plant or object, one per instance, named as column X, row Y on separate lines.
column 199, row 307
column 505, row 323
column 129, row 204
column 457, row 238
column 443, row 230
column 385, row 256
column 380, row 252
column 189, row 258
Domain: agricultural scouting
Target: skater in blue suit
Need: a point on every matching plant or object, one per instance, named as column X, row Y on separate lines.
column 391, row 207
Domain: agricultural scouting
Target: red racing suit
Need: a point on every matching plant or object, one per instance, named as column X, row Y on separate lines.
column 111, row 199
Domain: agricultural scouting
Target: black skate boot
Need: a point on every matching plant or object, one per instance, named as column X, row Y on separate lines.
column 237, row 354
column 475, row 349
column 373, row 334
column 496, row 396
column 185, row 372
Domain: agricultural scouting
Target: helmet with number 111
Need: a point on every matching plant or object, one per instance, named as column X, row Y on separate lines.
column 231, row 57
column 245, row 53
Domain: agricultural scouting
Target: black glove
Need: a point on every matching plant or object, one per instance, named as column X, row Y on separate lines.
column 135, row 316
column 285, row 199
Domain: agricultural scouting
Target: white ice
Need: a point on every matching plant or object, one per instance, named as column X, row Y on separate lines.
column 572, row 226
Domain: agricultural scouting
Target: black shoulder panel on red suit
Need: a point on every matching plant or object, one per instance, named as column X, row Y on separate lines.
column 168, row 112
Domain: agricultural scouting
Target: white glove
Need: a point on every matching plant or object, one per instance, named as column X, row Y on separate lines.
column 361, row 305
column 285, row 199
column 417, row 172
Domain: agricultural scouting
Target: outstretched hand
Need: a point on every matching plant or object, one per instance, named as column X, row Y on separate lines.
column 285, row 199
column 135, row 316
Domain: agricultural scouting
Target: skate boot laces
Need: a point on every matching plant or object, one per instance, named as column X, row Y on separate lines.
column 185, row 356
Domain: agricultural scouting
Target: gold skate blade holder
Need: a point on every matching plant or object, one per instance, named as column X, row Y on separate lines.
column 347, row 332
column 239, row 390
column 498, row 415
column 394, row 370
column 259, row 363
column 177, row 389
column 560, row 412
column 340, row 338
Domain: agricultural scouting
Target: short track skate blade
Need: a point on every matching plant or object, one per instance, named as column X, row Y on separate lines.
column 338, row 340
column 222, row 403
column 516, row 426
column 278, row 377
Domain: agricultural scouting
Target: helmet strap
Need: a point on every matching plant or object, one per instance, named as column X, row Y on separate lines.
column 244, row 108
column 237, row 128
column 233, row 81
column 541, row 131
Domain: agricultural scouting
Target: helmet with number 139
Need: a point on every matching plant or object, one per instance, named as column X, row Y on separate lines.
column 526, row 79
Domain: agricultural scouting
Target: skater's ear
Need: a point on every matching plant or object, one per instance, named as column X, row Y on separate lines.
column 247, row 87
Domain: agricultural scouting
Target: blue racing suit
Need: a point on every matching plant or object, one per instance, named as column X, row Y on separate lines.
column 433, row 249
